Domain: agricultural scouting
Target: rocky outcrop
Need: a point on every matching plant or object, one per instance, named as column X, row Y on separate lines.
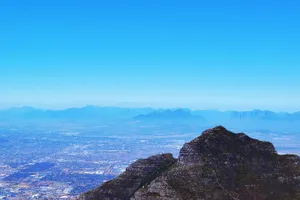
column 218, row 146
column 218, row 165
column 136, row 176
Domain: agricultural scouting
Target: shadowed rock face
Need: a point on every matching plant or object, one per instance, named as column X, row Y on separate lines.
column 218, row 165
column 136, row 176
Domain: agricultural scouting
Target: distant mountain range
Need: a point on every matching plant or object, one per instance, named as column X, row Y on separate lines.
column 143, row 113
column 83, row 113
column 260, row 119
column 96, row 112
column 170, row 115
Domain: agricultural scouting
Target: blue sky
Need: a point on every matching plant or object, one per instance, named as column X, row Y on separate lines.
column 198, row 54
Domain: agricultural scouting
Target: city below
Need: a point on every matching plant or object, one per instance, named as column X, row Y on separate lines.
column 60, row 159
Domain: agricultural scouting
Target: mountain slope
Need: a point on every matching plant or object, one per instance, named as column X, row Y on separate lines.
column 140, row 173
column 218, row 165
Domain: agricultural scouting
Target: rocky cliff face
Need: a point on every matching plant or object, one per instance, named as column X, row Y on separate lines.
column 218, row 165
column 136, row 176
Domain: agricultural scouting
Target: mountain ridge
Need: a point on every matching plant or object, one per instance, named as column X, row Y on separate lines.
column 217, row 165
column 240, row 120
column 170, row 115
column 149, row 111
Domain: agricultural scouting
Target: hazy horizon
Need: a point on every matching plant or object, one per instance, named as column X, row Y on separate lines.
column 213, row 104
column 134, row 106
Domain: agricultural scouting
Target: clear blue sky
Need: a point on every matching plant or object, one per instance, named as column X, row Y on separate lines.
column 197, row 54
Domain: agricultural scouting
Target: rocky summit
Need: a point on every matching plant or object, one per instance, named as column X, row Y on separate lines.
column 218, row 165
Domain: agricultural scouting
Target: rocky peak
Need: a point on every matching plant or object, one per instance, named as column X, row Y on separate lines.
column 219, row 146
column 218, row 165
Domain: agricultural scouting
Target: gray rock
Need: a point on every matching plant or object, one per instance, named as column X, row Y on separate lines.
column 136, row 176
column 218, row 165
